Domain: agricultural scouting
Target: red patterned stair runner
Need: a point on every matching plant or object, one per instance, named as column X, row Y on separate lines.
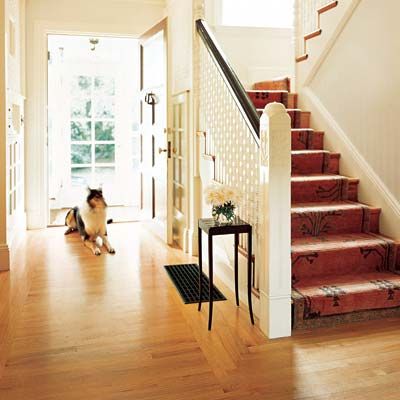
column 342, row 268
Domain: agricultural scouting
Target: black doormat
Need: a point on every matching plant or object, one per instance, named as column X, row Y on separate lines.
column 186, row 279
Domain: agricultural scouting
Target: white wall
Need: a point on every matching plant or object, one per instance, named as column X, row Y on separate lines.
column 256, row 54
column 351, row 87
column 180, row 34
column 99, row 17
column 366, row 81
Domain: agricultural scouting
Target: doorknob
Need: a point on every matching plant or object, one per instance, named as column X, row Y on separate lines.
column 150, row 98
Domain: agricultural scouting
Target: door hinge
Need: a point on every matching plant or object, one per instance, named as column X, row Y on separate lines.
column 169, row 149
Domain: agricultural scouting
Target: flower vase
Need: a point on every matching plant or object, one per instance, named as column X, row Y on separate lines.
column 226, row 220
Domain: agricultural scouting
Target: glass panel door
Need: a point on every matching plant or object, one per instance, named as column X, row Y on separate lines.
column 93, row 124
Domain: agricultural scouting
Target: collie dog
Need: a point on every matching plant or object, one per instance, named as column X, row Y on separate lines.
column 90, row 221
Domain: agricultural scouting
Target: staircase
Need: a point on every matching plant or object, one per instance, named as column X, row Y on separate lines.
column 343, row 270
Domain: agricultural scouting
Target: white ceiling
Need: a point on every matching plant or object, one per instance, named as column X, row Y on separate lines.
column 152, row 2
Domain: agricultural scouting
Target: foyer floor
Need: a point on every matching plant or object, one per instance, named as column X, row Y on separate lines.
column 75, row 326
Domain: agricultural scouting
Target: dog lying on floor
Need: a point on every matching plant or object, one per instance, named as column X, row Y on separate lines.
column 90, row 221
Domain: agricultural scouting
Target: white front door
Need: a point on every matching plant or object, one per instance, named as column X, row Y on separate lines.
column 155, row 144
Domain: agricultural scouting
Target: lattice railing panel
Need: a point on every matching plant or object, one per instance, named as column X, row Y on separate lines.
column 229, row 139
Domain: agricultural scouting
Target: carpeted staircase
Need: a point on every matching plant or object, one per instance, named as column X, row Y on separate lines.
column 342, row 269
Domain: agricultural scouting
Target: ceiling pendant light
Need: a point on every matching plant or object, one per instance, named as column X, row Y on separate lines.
column 93, row 42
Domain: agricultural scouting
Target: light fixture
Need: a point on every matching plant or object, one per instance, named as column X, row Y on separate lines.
column 93, row 42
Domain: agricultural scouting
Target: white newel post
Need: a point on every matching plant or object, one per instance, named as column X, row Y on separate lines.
column 274, row 237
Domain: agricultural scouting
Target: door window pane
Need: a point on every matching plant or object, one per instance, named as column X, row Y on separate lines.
column 104, row 86
column 104, row 130
column 80, row 130
column 80, row 175
column 105, row 153
column 81, row 154
column 105, row 174
column 81, row 86
column 104, row 107
column 81, row 108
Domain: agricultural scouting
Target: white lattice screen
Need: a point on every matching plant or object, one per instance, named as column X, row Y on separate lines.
column 229, row 139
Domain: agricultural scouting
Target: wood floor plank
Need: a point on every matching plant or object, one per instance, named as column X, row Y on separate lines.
column 74, row 326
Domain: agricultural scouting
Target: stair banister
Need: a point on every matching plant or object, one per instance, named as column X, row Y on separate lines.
column 230, row 143
column 237, row 90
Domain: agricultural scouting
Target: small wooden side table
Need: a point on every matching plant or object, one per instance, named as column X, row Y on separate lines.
column 211, row 228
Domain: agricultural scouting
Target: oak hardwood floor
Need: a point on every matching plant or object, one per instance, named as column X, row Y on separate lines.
column 75, row 326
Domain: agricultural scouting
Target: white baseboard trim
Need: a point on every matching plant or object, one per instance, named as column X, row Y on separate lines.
column 4, row 257
column 16, row 231
column 275, row 316
column 35, row 220
column 378, row 193
column 191, row 242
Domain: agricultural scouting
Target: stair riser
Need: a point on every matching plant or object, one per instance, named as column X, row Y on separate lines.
column 278, row 84
column 323, row 302
column 342, row 261
column 261, row 99
column 315, row 163
column 315, row 223
column 326, row 222
column 299, row 119
column 307, row 140
column 324, row 190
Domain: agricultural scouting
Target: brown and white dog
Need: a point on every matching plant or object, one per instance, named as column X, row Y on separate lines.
column 91, row 221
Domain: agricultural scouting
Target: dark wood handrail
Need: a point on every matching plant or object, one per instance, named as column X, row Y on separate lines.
column 237, row 90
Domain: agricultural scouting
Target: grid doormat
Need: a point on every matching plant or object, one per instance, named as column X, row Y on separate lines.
column 186, row 279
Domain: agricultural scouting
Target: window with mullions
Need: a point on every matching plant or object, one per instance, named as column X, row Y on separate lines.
column 92, row 129
column 257, row 13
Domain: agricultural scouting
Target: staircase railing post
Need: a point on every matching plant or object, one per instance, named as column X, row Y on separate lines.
column 275, row 228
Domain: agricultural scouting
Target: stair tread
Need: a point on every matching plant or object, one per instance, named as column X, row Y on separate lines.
column 312, row 151
column 335, row 241
column 266, row 91
column 292, row 109
column 320, row 177
column 333, row 295
column 350, row 282
column 327, row 206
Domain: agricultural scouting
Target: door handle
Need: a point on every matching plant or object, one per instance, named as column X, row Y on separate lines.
column 150, row 98
column 160, row 150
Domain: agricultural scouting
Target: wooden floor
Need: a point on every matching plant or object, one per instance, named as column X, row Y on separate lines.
column 76, row 326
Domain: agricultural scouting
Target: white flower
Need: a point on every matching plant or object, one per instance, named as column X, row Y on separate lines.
column 233, row 195
column 214, row 195
column 217, row 195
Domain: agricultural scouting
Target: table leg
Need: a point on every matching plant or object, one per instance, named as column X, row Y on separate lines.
column 249, row 267
column 237, row 268
column 200, row 252
column 210, row 277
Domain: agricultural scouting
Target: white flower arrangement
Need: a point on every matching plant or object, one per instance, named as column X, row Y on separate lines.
column 224, row 199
